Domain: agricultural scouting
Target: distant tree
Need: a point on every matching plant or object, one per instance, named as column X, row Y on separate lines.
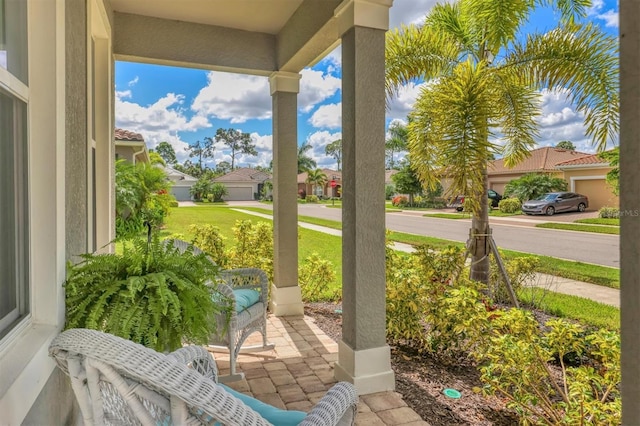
column 217, row 191
column 533, row 185
column 202, row 151
column 334, row 149
column 223, row 168
column 264, row 169
column 407, row 181
column 305, row 163
column 316, row 178
column 155, row 158
column 188, row 167
column 166, row 151
column 566, row 145
column 397, row 142
column 613, row 177
column 240, row 143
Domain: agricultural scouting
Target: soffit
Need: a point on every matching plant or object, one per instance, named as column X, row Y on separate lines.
column 264, row 16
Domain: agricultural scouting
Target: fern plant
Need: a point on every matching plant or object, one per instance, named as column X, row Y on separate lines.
column 151, row 294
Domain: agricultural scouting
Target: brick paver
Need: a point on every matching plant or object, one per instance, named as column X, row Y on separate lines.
column 299, row 371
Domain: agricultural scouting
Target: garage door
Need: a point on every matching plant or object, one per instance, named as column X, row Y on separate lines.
column 239, row 194
column 181, row 193
column 599, row 193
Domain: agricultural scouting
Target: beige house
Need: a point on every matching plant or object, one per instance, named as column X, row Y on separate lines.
column 57, row 89
column 336, row 175
column 587, row 175
column 181, row 184
column 130, row 146
column 243, row 184
column 541, row 160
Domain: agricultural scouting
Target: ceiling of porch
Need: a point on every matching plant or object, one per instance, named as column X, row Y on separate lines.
column 263, row 16
column 244, row 36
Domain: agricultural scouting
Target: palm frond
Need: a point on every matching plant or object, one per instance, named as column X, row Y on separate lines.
column 570, row 10
column 583, row 60
column 415, row 54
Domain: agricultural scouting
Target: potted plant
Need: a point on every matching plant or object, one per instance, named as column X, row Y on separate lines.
column 152, row 294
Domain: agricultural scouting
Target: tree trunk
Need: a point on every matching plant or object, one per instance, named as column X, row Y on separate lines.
column 480, row 248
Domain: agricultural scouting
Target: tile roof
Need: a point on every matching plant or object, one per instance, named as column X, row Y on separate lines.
column 539, row 160
column 302, row 177
column 244, row 174
column 587, row 160
column 127, row 135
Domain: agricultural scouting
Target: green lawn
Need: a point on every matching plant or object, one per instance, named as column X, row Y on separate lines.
column 330, row 248
column 600, row 229
column 584, row 310
column 449, row 215
column 600, row 221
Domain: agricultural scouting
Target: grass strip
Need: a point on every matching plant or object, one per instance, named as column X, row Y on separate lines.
column 448, row 215
column 599, row 229
column 600, row 221
column 578, row 308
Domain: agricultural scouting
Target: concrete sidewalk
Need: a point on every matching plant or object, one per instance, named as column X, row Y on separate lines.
column 597, row 293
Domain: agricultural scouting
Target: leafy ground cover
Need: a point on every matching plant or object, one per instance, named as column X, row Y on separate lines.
column 599, row 229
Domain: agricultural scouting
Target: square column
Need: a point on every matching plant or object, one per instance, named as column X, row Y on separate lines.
column 364, row 356
column 286, row 298
column 629, row 210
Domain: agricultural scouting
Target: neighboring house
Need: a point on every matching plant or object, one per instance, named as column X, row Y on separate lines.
column 327, row 190
column 130, row 146
column 587, row 175
column 181, row 184
column 243, row 184
column 541, row 160
column 322, row 190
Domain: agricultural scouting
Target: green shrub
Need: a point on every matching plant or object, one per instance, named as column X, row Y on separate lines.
column 312, row 198
column 389, row 191
column 208, row 239
column 516, row 359
column 400, row 201
column 217, row 191
column 314, row 275
column 173, row 203
column 609, row 212
column 254, row 246
column 533, row 185
column 519, row 269
column 509, row 205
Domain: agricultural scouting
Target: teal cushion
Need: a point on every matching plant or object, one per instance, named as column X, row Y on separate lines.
column 273, row 415
column 245, row 298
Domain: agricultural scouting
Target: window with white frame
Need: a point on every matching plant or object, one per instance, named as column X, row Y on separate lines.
column 14, row 250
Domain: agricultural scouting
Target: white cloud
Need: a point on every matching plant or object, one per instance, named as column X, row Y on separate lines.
column 401, row 104
column 133, row 82
column 319, row 141
column 327, row 116
column 560, row 121
column 610, row 18
column 160, row 121
column 315, row 87
column 409, row 11
column 596, row 7
column 234, row 97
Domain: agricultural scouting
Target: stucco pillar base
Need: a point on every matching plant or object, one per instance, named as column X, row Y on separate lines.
column 286, row 301
column 369, row 369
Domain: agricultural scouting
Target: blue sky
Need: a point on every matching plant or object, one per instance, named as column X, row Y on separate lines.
column 182, row 105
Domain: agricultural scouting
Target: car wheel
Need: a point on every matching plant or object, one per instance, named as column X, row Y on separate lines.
column 528, row 214
column 581, row 207
column 459, row 209
column 550, row 211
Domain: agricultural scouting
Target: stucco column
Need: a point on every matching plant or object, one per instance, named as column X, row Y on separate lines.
column 364, row 356
column 630, row 209
column 286, row 298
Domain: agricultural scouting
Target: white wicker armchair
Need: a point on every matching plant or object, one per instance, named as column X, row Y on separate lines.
column 234, row 327
column 116, row 381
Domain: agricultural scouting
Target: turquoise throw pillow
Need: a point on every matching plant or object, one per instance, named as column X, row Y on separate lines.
column 273, row 415
column 245, row 298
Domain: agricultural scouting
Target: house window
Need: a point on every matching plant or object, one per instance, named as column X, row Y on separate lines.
column 14, row 250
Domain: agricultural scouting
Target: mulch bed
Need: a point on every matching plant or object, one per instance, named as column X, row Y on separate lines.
column 421, row 380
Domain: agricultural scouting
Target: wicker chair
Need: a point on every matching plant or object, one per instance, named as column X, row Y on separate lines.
column 118, row 382
column 234, row 327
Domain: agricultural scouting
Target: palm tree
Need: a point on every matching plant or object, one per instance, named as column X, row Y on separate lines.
column 305, row 163
column 397, row 142
column 316, row 177
column 483, row 77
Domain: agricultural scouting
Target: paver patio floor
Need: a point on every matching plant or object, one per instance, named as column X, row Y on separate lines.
column 298, row 372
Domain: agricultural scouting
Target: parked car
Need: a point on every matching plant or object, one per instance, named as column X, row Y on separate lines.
column 494, row 199
column 555, row 202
